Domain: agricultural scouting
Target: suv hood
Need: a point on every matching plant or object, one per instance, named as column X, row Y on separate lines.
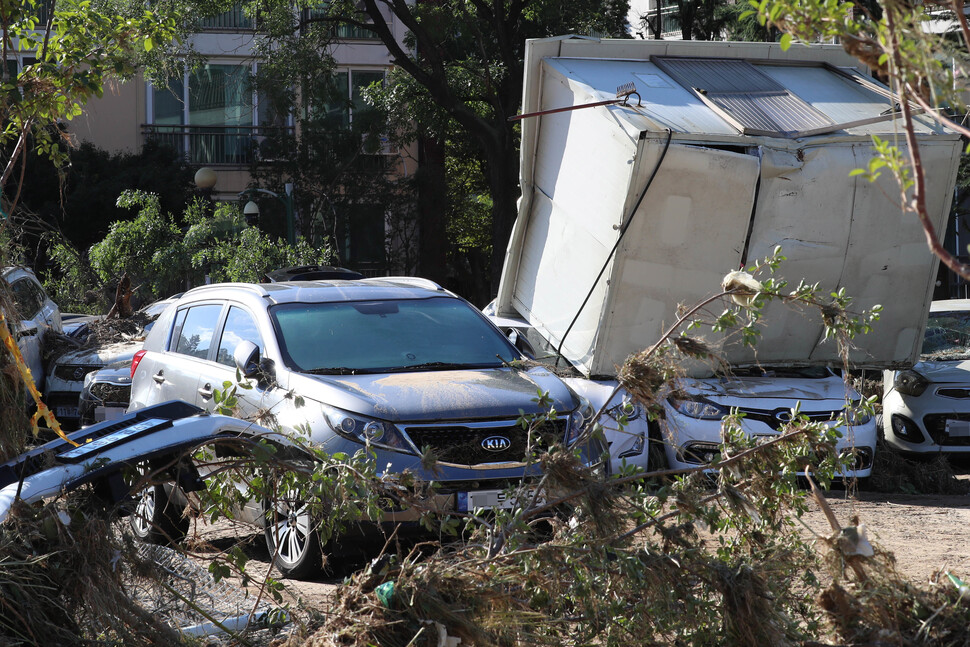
column 439, row 395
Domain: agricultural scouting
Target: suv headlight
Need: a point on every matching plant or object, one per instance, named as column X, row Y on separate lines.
column 577, row 421
column 909, row 382
column 698, row 408
column 365, row 430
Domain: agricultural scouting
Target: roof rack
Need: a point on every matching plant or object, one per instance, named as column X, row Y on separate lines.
column 415, row 281
column 252, row 287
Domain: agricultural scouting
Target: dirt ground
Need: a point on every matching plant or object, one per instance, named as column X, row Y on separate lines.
column 926, row 533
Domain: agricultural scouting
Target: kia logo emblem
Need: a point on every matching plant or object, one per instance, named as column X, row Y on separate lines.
column 783, row 416
column 496, row 443
column 78, row 372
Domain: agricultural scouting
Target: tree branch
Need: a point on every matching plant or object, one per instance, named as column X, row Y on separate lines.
column 918, row 202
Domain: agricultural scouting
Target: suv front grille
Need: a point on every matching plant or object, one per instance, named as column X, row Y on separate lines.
column 73, row 372
column 465, row 444
column 105, row 392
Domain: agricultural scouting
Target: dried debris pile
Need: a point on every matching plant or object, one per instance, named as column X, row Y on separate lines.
column 69, row 575
column 99, row 333
column 892, row 471
column 62, row 572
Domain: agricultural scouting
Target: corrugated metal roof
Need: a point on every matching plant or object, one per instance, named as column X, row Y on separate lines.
column 753, row 100
column 667, row 103
column 714, row 75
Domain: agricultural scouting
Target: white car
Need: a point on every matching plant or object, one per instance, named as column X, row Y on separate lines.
column 689, row 432
column 38, row 314
column 691, row 426
column 926, row 409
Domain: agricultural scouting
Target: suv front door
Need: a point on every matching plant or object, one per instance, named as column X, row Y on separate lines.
column 239, row 326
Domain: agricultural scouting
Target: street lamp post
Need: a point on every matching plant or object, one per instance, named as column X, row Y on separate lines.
column 251, row 210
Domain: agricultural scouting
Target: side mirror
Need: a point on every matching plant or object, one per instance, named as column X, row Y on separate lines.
column 246, row 356
column 519, row 341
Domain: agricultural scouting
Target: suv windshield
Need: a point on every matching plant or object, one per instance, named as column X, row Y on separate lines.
column 947, row 336
column 385, row 336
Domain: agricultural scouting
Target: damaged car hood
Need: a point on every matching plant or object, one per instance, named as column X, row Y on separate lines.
column 945, row 371
column 437, row 395
column 830, row 388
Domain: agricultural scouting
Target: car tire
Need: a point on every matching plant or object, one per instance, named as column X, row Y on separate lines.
column 291, row 539
column 157, row 518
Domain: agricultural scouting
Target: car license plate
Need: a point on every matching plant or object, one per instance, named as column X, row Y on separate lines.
column 958, row 428
column 107, row 413
column 498, row 499
column 65, row 412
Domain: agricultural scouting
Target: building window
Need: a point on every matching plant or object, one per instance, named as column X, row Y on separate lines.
column 211, row 115
column 348, row 97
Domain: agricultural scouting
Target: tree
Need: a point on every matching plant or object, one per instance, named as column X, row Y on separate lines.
column 700, row 19
column 334, row 155
column 77, row 48
column 164, row 253
column 467, row 58
column 924, row 70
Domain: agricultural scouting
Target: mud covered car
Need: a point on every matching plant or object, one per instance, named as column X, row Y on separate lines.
column 926, row 409
column 400, row 365
column 102, row 342
column 105, row 394
column 691, row 424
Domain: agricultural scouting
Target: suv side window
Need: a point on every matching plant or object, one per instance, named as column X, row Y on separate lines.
column 195, row 333
column 240, row 326
column 25, row 298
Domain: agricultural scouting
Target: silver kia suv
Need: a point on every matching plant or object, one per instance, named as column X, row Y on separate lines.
column 400, row 363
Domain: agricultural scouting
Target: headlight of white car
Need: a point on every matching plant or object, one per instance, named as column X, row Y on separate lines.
column 856, row 414
column 909, row 382
column 365, row 430
column 698, row 408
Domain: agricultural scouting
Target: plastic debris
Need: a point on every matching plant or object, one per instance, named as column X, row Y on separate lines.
column 385, row 593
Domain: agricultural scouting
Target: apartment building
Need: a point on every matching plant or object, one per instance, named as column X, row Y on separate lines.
column 213, row 118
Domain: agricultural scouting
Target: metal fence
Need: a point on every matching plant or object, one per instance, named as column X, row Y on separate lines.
column 214, row 144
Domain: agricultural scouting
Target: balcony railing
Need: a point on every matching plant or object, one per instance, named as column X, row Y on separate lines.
column 214, row 144
column 230, row 20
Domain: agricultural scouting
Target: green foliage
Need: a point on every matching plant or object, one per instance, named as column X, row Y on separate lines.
column 741, row 24
column 164, row 255
column 80, row 51
column 141, row 247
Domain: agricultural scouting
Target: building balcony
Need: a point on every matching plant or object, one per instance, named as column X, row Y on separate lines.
column 215, row 145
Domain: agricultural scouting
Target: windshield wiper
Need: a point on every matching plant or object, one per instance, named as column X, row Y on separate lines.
column 431, row 366
column 336, row 370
